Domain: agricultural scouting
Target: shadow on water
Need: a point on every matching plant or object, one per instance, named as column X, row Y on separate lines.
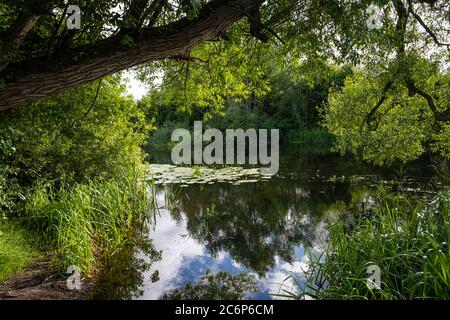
column 122, row 275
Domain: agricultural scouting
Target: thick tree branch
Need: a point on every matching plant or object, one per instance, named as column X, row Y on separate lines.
column 22, row 26
column 400, row 28
column 369, row 118
column 439, row 116
column 423, row 24
column 256, row 26
column 28, row 81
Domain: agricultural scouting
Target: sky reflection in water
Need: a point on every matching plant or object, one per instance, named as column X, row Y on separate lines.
column 261, row 228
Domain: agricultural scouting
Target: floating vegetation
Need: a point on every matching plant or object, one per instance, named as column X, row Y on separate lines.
column 186, row 176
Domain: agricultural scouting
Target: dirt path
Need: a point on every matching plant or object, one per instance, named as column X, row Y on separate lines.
column 38, row 282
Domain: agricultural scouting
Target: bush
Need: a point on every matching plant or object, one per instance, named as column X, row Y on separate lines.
column 312, row 141
column 65, row 172
column 237, row 117
column 74, row 137
column 10, row 190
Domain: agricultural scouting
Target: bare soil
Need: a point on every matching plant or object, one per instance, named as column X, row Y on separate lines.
column 38, row 282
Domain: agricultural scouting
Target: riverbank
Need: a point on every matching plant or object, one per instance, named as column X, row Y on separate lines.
column 404, row 246
column 76, row 225
column 42, row 276
column 39, row 281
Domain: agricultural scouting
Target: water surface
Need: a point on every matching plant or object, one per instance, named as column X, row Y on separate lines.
column 262, row 228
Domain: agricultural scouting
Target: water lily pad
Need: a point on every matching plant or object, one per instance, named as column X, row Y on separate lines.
column 185, row 176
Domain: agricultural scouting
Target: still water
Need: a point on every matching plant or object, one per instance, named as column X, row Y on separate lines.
column 263, row 229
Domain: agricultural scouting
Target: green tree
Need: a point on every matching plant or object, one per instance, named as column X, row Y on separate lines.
column 39, row 56
column 402, row 128
column 93, row 132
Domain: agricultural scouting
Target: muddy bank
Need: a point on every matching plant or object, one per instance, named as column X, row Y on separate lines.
column 39, row 282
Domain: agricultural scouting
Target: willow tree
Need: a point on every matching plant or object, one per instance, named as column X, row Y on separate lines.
column 396, row 107
column 39, row 56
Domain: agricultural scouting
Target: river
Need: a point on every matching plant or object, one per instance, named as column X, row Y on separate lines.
column 263, row 229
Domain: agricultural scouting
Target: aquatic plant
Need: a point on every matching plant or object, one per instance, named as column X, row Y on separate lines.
column 83, row 222
column 408, row 242
column 162, row 174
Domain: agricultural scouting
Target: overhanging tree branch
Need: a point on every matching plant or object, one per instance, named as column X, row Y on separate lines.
column 439, row 116
column 424, row 25
column 20, row 29
column 369, row 118
column 38, row 78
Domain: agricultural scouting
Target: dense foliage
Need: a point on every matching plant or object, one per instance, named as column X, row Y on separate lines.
column 74, row 137
column 70, row 163
column 69, row 171
column 292, row 103
column 403, row 128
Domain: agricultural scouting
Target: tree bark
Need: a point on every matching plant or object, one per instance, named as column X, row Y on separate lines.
column 20, row 29
column 29, row 81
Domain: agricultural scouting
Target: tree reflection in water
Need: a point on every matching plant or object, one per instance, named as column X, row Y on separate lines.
column 123, row 273
column 263, row 227
column 257, row 223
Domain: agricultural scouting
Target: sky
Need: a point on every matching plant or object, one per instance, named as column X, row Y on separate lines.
column 135, row 87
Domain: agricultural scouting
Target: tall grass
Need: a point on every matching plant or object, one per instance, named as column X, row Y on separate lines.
column 14, row 252
column 409, row 243
column 82, row 223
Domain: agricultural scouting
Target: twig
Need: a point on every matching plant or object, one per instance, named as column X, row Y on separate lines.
column 95, row 99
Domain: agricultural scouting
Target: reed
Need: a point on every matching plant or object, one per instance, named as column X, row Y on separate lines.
column 408, row 242
column 82, row 223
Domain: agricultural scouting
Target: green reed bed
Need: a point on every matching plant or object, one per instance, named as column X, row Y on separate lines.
column 408, row 242
column 82, row 223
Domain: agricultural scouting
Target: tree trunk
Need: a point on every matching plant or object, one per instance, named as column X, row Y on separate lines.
column 29, row 81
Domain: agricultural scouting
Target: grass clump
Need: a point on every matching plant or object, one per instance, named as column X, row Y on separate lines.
column 82, row 223
column 14, row 252
column 408, row 242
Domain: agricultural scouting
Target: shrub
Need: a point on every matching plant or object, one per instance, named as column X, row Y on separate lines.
column 75, row 137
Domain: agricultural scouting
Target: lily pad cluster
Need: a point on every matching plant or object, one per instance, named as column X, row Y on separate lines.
column 164, row 174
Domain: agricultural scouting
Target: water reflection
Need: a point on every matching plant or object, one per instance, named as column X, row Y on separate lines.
column 123, row 273
column 261, row 229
